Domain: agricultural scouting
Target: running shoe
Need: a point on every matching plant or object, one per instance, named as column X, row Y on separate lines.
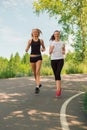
column 58, row 93
column 37, row 90
column 40, row 85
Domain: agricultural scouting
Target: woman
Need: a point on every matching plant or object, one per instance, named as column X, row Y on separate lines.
column 57, row 50
column 37, row 45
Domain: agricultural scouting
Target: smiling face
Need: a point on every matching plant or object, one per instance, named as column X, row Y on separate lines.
column 56, row 34
column 35, row 33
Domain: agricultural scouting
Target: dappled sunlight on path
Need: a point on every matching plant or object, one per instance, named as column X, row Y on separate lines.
column 21, row 109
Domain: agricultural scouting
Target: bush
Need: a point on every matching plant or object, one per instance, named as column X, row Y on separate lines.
column 17, row 67
column 46, row 71
column 72, row 68
column 7, row 74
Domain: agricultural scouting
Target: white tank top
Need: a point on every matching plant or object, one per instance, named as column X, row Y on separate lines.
column 57, row 51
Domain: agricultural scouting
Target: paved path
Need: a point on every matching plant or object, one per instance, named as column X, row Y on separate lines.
column 21, row 109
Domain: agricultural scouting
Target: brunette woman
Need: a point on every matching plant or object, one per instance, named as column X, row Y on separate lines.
column 57, row 50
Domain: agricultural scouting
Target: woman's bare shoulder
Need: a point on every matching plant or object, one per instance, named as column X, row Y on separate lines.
column 41, row 41
column 29, row 41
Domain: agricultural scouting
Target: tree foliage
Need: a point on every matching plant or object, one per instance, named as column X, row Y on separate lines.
column 18, row 67
column 72, row 14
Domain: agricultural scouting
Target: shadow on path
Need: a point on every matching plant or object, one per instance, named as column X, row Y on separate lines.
column 21, row 109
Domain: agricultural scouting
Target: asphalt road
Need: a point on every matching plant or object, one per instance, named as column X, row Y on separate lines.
column 21, row 109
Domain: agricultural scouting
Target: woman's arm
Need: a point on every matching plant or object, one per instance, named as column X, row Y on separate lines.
column 28, row 46
column 51, row 49
column 63, row 49
column 42, row 44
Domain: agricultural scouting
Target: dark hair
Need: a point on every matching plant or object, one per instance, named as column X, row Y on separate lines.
column 52, row 37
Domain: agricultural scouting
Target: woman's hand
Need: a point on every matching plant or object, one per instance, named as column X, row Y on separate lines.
column 42, row 49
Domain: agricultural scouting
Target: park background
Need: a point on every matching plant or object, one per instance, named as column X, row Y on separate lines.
column 18, row 18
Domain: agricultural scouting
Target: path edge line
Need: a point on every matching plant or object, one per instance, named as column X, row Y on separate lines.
column 63, row 120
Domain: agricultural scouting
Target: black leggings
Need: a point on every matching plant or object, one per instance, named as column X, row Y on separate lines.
column 57, row 66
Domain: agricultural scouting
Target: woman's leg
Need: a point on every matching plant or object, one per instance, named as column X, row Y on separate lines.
column 60, row 64
column 33, row 66
column 58, row 84
column 36, row 70
column 54, row 67
column 55, row 71
column 57, row 66
column 38, row 67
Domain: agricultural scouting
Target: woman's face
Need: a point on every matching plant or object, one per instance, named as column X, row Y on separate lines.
column 35, row 33
column 56, row 34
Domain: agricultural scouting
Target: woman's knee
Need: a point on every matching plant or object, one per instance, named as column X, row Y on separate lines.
column 37, row 73
column 57, row 76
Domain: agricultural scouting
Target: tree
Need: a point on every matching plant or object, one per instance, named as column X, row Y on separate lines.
column 25, row 58
column 72, row 14
column 17, row 62
column 10, row 71
column 17, row 58
column 3, row 63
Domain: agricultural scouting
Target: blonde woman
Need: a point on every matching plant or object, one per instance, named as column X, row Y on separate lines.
column 57, row 50
column 37, row 46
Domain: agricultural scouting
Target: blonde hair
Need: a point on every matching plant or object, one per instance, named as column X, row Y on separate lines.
column 39, row 31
